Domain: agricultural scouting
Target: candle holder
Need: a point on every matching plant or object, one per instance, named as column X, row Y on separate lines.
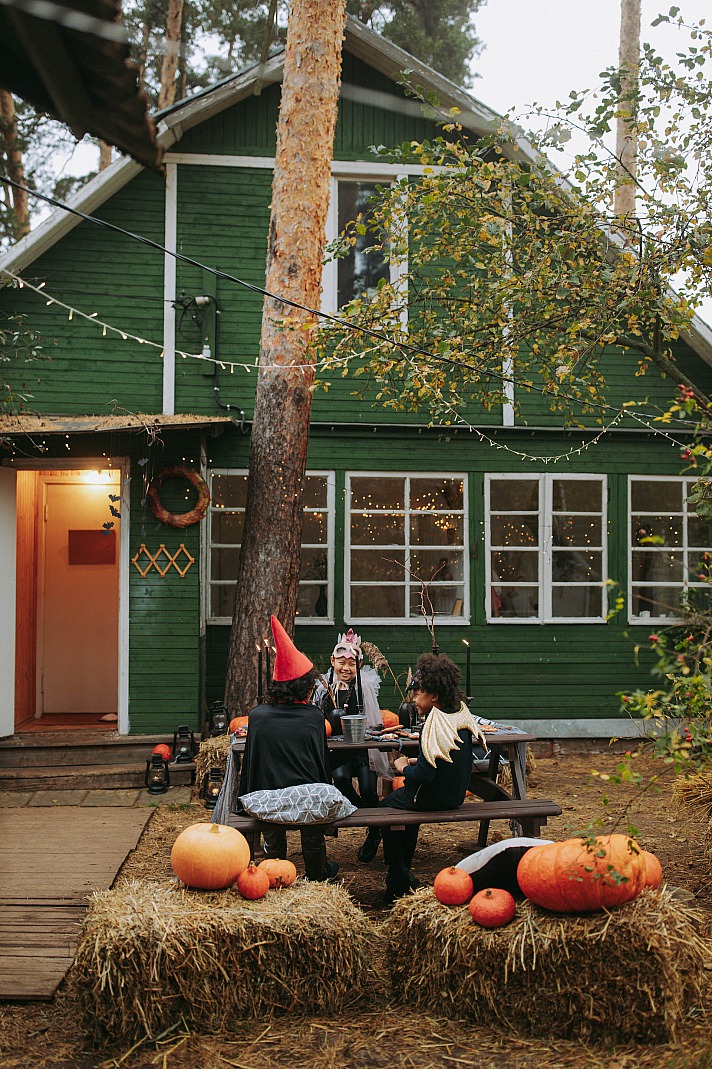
column 219, row 719
column 157, row 778
column 212, row 785
column 184, row 748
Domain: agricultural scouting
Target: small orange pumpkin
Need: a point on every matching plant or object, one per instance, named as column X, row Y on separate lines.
column 281, row 873
column 163, row 750
column 580, row 875
column 453, row 886
column 253, row 882
column 390, row 720
column 492, row 908
column 210, row 856
column 327, row 725
column 239, row 722
column 398, row 781
column 653, row 870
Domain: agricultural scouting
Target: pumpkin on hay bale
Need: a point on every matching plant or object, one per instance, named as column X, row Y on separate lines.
column 153, row 956
column 212, row 753
column 625, row 975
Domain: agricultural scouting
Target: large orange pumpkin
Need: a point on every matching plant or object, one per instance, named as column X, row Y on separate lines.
column 579, row 875
column 281, row 873
column 453, row 886
column 390, row 720
column 253, row 883
column 239, row 722
column 653, row 870
column 492, row 908
column 209, row 856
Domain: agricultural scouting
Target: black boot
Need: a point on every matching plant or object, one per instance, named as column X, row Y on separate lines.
column 399, row 882
column 369, row 849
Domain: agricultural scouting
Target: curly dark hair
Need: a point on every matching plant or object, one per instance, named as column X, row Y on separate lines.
column 437, row 674
column 292, row 690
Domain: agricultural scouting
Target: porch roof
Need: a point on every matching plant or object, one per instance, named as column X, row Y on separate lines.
column 29, row 423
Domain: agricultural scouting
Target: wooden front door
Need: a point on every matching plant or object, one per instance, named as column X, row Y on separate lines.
column 78, row 596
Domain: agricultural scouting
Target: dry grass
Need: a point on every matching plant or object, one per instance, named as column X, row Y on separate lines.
column 629, row 974
column 212, row 753
column 154, row 958
column 695, row 792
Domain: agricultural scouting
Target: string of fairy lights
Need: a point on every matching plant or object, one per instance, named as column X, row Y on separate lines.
column 329, row 362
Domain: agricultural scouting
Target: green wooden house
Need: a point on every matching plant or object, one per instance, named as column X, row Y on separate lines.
column 148, row 362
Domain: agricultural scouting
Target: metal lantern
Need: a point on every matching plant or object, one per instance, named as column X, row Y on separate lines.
column 157, row 778
column 219, row 719
column 212, row 785
column 184, row 748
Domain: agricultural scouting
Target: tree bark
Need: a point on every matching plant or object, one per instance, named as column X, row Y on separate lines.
column 104, row 155
column 268, row 576
column 15, row 165
column 169, row 66
column 626, row 133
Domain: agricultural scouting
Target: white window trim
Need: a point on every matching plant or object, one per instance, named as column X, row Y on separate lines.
column 669, row 619
column 545, row 547
column 329, row 280
column 408, row 621
column 328, row 620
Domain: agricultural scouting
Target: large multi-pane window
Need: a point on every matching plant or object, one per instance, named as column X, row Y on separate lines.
column 406, row 547
column 546, row 547
column 668, row 541
column 226, row 517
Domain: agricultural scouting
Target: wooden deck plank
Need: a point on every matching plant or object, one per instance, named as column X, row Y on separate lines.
column 50, row 862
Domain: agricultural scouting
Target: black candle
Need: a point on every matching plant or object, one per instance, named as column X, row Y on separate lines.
column 259, row 673
column 359, row 691
column 467, row 670
column 269, row 666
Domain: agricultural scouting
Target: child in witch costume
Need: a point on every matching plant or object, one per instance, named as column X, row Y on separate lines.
column 350, row 689
column 286, row 747
column 439, row 776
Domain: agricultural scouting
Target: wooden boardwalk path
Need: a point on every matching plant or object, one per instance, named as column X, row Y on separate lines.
column 51, row 859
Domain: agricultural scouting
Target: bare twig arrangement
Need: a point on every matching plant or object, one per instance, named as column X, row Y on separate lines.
column 427, row 609
column 380, row 663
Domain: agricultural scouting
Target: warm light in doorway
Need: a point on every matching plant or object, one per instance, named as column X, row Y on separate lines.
column 98, row 477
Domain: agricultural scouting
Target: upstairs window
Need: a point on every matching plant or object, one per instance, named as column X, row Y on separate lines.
column 546, row 548
column 226, row 517
column 668, row 541
column 404, row 532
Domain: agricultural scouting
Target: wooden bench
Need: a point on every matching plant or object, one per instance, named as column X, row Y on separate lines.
column 530, row 813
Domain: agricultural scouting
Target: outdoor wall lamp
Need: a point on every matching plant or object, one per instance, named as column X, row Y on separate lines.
column 183, row 744
column 157, row 778
column 212, row 785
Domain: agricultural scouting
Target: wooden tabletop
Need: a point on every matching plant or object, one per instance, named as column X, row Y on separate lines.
column 503, row 737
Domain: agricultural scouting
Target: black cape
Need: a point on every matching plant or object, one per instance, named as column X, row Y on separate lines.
column 286, row 746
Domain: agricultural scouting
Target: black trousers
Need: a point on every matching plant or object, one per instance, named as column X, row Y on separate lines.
column 399, row 846
column 357, row 767
column 313, row 848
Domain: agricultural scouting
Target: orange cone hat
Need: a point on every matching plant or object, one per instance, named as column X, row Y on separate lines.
column 289, row 663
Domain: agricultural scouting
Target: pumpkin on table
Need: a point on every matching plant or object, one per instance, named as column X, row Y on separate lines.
column 210, row 857
column 390, row 720
column 239, row 723
column 581, row 875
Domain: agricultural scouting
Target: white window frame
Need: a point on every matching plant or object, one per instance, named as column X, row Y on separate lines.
column 545, row 548
column 327, row 620
column 342, row 172
column 408, row 621
column 687, row 482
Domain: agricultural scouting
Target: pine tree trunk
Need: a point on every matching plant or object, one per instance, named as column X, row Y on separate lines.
column 104, row 155
column 268, row 576
column 15, row 165
column 169, row 67
column 626, row 134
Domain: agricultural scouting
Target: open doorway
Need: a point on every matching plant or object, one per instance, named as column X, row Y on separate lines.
column 67, row 651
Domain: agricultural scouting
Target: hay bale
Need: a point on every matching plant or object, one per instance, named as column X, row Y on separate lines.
column 695, row 792
column 153, row 956
column 627, row 975
column 212, row 753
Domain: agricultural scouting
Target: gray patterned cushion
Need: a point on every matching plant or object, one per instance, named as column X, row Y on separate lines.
column 308, row 803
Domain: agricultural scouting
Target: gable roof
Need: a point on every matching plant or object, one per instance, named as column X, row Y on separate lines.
column 173, row 122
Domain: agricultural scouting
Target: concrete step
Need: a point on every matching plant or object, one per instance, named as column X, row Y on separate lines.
column 39, row 750
column 87, row 777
